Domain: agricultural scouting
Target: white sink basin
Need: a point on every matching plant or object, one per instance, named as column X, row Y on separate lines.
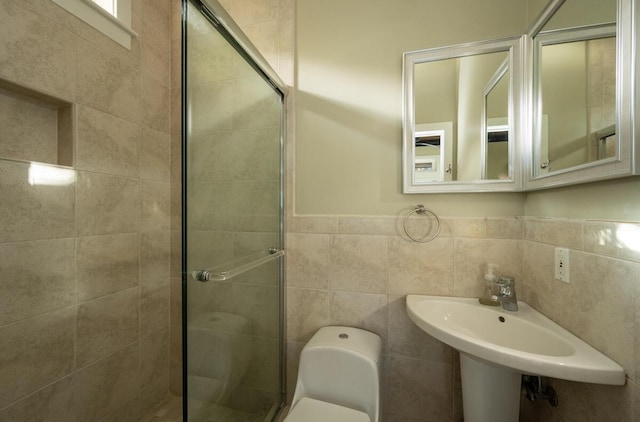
column 525, row 341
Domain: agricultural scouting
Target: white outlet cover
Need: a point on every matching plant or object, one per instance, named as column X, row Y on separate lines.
column 562, row 265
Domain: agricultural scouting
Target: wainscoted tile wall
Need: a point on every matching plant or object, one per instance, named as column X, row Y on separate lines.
column 601, row 305
column 84, row 267
column 357, row 270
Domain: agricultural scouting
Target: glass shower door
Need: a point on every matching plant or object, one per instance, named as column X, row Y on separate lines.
column 232, row 229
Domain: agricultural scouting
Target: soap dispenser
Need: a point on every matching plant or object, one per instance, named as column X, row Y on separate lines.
column 490, row 278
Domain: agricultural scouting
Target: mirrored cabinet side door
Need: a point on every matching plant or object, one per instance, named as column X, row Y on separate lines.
column 580, row 85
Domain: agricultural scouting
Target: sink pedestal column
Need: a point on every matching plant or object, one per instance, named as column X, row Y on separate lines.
column 490, row 393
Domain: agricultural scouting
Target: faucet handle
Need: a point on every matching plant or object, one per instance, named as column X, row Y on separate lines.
column 507, row 293
column 507, row 286
column 506, row 280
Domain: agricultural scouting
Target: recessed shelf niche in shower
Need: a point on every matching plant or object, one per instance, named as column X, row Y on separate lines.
column 35, row 126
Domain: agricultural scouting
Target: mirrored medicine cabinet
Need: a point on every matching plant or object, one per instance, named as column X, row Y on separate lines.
column 460, row 119
column 553, row 107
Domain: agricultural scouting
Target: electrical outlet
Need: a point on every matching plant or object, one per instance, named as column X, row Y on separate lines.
column 562, row 264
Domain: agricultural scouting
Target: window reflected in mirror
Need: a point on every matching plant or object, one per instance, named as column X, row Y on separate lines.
column 432, row 152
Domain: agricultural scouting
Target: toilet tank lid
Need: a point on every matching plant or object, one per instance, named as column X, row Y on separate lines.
column 355, row 339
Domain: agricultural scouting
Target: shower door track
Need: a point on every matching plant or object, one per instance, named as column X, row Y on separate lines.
column 217, row 15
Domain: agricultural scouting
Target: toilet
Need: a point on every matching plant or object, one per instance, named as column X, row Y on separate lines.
column 220, row 345
column 338, row 377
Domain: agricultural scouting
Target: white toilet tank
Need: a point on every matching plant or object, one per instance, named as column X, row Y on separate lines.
column 341, row 366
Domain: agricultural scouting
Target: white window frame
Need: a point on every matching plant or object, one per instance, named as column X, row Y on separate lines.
column 113, row 6
column 118, row 27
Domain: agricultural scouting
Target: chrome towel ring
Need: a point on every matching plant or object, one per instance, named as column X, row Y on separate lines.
column 421, row 210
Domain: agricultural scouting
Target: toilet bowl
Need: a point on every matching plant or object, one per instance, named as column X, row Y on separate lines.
column 338, row 377
column 219, row 354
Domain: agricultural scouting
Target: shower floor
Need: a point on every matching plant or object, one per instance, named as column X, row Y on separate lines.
column 170, row 410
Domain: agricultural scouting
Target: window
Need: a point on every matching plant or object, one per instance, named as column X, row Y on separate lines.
column 108, row 5
column 111, row 17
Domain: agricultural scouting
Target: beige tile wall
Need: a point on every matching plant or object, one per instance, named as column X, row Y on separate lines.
column 601, row 305
column 28, row 127
column 601, row 98
column 357, row 270
column 84, row 268
column 175, row 223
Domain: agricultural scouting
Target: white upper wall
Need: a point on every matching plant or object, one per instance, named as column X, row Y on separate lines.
column 349, row 99
column 349, row 110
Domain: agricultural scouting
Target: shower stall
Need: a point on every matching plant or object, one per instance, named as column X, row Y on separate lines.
column 233, row 141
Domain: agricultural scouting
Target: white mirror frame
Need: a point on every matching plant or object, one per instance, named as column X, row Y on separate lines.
column 627, row 162
column 517, row 108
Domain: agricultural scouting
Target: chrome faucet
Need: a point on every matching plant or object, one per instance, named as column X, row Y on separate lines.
column 507, row 293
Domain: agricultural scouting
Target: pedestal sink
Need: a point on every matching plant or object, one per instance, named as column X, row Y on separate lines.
column 497, row 347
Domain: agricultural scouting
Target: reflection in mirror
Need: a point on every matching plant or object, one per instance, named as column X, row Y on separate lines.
column 576, row 97
column 495, row 147
column 581, row 14
column 450, row 93
column 459, row 125
column 432, row 152
column 428, row 163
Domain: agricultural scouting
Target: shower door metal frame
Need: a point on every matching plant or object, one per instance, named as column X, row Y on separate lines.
column 225, row 25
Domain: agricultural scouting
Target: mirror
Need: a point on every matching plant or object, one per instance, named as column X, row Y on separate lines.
column 576, row 90
column 464, row 104
column 459, row 120
column 581, row 94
